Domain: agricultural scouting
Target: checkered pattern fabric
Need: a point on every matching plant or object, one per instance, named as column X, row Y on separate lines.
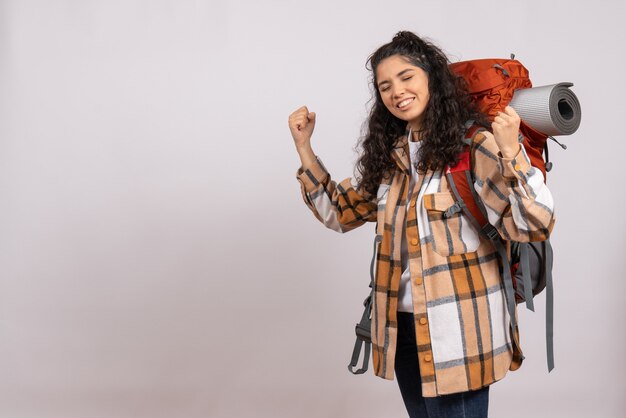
column 463, row 331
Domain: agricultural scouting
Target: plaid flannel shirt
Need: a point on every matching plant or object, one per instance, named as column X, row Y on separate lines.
column 463, row 332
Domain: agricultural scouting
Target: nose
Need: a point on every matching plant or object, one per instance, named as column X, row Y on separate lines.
column 397, row 91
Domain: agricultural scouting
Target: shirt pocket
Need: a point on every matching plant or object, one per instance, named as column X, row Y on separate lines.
column 451, row 232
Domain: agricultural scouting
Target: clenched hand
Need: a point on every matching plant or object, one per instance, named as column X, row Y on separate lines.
column 505, row 128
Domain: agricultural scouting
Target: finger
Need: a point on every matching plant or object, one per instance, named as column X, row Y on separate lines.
column 296, row 114
column 504, row 115
column 302, row 111
column 301, row 124
column 294, row 117
column 299, row 111
column 499, row 120
column 304, row 120
column 510, row 111
column 505, row 119
column 304, row 114
column 511, row 116
column 297, row 122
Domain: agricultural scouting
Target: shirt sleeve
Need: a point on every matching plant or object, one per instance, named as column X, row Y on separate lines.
column 339, row 206
column 518, row 202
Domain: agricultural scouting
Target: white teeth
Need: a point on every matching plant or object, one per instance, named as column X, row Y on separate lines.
column 405, row 102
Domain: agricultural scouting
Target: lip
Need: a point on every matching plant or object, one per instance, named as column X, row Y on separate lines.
column 408, row 105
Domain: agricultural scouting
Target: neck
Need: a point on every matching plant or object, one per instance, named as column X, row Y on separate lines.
column 416, row 128
column 416, row 135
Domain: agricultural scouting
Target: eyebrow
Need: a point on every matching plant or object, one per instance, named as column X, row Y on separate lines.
column 397, row 75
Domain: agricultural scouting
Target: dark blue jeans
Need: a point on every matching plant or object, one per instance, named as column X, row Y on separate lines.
column 471, row 404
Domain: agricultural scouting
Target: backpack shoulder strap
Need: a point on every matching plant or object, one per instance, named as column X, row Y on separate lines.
column 363, row 328
column 461, row 182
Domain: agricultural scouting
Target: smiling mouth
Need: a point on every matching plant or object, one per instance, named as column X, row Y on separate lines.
column 405, row 103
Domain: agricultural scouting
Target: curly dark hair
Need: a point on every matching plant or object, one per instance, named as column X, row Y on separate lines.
column 443, row 126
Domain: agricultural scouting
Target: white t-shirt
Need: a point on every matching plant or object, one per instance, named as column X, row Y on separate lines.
column 405, row 300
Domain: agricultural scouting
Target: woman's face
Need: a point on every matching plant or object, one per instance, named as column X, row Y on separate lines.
column 403, row 88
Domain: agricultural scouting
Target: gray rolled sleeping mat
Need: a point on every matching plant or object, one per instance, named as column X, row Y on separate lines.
column 552, row 110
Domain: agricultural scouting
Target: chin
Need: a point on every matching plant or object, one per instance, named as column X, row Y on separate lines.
column 409, row 118
column 405, row 117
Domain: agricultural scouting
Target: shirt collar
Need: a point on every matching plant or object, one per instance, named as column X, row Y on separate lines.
column 400, row 152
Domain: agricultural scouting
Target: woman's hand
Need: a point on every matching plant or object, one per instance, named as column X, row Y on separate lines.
column 301, row 124
column 505, row 128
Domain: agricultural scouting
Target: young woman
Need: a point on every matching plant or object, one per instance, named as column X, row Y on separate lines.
column 439, row 316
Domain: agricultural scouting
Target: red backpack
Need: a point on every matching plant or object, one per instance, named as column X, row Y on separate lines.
column 492, row 83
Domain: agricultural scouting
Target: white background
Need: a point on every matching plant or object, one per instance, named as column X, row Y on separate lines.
column 156, row 258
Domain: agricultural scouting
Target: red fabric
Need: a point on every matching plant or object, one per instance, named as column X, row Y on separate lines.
column 463, row 187
column 490, row 87
column 492, row 90
column 459, row 177
column 463, row 164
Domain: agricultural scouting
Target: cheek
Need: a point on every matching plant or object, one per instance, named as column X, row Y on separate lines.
column 388, row 104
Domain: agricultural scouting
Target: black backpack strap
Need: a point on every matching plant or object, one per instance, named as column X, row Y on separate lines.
column 363, row 329
column 525, row 265
column 363, row 339
column 536, row 260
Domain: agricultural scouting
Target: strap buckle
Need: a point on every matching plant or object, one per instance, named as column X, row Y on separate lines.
column 456, row 208
column 491, row 232
column 363, row 333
